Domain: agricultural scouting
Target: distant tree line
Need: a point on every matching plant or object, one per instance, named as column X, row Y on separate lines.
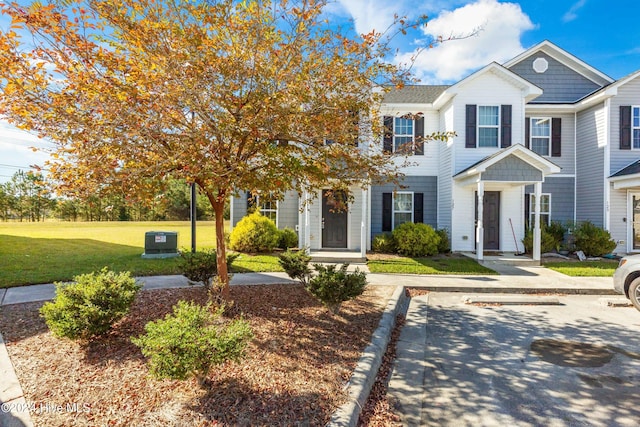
column 29, row 196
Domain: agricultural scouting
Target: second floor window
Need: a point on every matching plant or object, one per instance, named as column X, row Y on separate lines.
column 635, row 127
column 488, row 125
column 541, row 135
column 402, row 133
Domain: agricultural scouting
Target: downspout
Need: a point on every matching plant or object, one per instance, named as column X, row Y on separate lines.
column 607, row 166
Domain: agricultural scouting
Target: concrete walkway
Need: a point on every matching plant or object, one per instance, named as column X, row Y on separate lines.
column 512, row 279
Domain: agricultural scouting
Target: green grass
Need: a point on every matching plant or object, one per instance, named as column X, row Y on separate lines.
column 256, row 263
column 435, row 265
column 56, row 251
column 585, row 268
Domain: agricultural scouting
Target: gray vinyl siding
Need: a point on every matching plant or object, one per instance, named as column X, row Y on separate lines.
column 239, row 208
column 567, row 139
column 628, row 94
column 428, row 185
column 512, row 168
column 560, row 83
column 562, row 197
column 445, row 183
column 590, row 146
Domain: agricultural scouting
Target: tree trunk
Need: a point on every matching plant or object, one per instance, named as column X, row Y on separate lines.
column 217, row 203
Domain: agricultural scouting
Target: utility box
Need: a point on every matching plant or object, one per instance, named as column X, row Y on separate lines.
column 160, row 244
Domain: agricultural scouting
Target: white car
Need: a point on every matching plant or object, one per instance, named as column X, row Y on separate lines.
column 626, row 279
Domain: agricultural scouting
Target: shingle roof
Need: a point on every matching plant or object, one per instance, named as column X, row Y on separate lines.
column 632, row 169
column 416, row 94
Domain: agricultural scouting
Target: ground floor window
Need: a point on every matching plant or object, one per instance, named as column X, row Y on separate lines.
column 545, row 209
column 269, row 208
column 402, row 208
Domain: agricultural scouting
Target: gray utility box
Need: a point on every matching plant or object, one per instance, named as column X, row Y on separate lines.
column 160, row 244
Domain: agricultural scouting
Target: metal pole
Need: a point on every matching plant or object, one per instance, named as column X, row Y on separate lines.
column 193, row 217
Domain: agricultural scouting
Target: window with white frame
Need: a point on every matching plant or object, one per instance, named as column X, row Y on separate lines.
column 635, row 127
column 402, row 132
column 269, row 208
column 545, row 209
column 402, row 208
column 488, row 125
column 540, row 135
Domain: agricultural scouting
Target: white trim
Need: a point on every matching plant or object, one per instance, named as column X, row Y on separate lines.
column 403, row 135
column 630, row 236
column 548, row 138
column 496, row 126
column 393, row 207
column 607, row 167
column 634, row 107
column 531, row 208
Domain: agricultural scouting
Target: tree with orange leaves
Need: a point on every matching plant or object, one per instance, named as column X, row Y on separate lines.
column 230, row 95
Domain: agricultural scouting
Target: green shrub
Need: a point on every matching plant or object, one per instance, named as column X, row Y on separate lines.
column 254, row 233
column 593, row 240
column 416, row 240
column 444, row 245
column 288, row 238
column 557, row 230
column 331, row 287
column 296, row 264
column 384, row 243
column 548, row 242
column 91, row 305
column 202, row 266
column 190, row 341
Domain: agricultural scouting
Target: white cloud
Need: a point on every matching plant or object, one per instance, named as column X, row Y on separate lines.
column 370, row 14
column 16, row 150
column 498, row 39
column 572, row 13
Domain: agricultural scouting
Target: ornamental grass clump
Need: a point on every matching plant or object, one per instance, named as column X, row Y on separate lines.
column 91, row 305
column 191, row 340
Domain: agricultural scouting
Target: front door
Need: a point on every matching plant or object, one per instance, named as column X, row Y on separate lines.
column 635, row 223
column 491, row 219
column 334, row 219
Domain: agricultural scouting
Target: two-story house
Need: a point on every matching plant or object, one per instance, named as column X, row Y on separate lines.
column 544, row 135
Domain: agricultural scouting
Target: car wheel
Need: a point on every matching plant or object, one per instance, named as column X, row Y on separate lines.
column 634, row 292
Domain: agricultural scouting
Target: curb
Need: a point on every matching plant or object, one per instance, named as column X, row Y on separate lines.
column 524, row 290
column 363, row 377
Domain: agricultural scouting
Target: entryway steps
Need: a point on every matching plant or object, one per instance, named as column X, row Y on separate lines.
column 338, row 257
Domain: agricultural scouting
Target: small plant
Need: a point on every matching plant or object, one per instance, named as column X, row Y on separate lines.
column 91, row 305
column 192, row 340
column 296, row 264
column 202, row 267
column 593, row 240
column 384, row 243
column 254, row 233
column 444, row 245
column 288, row 238
column 332, row 287
column 548, row 242
column 416, row 240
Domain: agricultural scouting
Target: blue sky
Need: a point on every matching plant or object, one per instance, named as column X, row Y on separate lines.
column 604, row 34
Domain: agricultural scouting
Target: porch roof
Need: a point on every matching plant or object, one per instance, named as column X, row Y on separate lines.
column 627, row 177
column 516, row 164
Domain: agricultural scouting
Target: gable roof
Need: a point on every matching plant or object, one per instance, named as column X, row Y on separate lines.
column 566, row 58
column 414, row 94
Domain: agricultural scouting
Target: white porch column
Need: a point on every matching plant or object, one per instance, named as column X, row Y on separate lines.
column 307, row 225
column 536, row 222
column 479, row 224
column 363, row 224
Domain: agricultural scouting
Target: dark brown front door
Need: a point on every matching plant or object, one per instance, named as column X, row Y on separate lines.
column 491, row 219
column 334, row 220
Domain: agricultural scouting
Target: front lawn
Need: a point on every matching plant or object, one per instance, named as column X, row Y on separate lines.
column 439, row 264
column 604, row 268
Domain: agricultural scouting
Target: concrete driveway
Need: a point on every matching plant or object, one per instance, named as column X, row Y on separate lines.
column 572, row 364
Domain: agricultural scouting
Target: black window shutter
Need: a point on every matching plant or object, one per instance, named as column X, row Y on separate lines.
column 556, row 137
column 625, row 127
column 387, row 211
column 527, row 131
column 505, row 126
column 470, row 129
column 418, row 136
column 526, row 209
column 388, row 134
column 418, row 207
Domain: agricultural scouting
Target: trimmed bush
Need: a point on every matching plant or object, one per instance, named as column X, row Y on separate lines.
column 254, row 233
column 444, row 246
column 557, row 230
column 548, row 242
column 288, row 238
column 332, row 287
column 190, row 341
column 202, row 266
column 384, row 243
column 593, row 240
column 416, row 240
column 91, row 305
column 296, row 264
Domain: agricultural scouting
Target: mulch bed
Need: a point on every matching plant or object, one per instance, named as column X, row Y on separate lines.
column 294, row 374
